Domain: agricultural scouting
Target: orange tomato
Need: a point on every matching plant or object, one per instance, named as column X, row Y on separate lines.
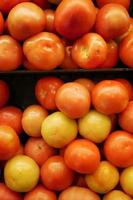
column 50, row 19
column 89, row 84
column 4, row 93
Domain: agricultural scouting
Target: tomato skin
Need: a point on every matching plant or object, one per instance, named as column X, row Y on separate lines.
column 89, row 51
column 7, row 194
column 112, row 55
column 4, row 93
column 54, row 170
column 11, row 116
column 112, row 21
column 79, row 17
column 110, row 97
column 121, row 143
column 82, row 156
column 25, row 20
column 40, row 192
column 47, row 47
column 9, row 142
column 50, row 18
column 125, row 3
column 1, row 23
column 45, row 91
column 42, row 3
column 126, row 50
column 89, row 84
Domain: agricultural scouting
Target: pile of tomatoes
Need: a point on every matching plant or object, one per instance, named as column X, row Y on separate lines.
column 75, row 143
column 46, row 34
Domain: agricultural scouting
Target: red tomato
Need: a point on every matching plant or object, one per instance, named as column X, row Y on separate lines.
column 50, row 19
column 68, row 63
column 126, row 50
column 9, row 142
column 47, row 47
column 112, row 55
column 118, row 149
column 126, row 118
column 11, row 116
column 82, row 156
column 73, row 99
column 40, row 193
column 127, row 85
column 89, row 84
column 55, row 175
column 38, row 150
column 125, row 3
column 112, row 21
column 89, row 51
column 42, row 3
column 1, row 23
column 45, row 91
column 78, row 193
column 4, row 93
column 74, row 18
column 7, row 194
column 10, row 53
column 25, row 20
column 20, row 150
column 110, row 97
column 28, row 65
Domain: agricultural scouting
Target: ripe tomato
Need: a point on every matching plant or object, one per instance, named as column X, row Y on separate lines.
column 28, row 65
column 47, row 47
column 73, row 99
column 11, row 116
column 89, row 84
column 126, row 117
column 45, row 91
column 20, row 150
column 112, row 55
column 74, row 18
column 115, row 195
column 112, row 21
column 38, row 150
column 55, row 175
column 126, row 50
column 40, row 193
column 9, row 142
column 50, row 19
column 1, row 23
column 25, row 20
column 89, row 51
column 80, row 180
column 4, row 93
column 68, row 63
column 7, row 194
column 82, row 156
column 42, row 3
column 10, row 53
column 110, row 97
column 121, row 143
column 125, row 3
column 32, row 119
column 78, row 193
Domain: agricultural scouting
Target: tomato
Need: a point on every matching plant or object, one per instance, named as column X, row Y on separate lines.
column 78, row 193
column 112, row 21
column 20, row 150
column 126, row 50
column 126, row 117
column 80, row 180
column 89, row 84
column 10, row 53
column 4, row 93
column 40, row 193
column 1, row 23
column 32, row 119
column 113, row 118
column 50, row 18
column 121, row 143
column 28, row 65
column 25, row 20
column 125, row 3
column 55, row 175
column 89, row 51
column 42, row 3
column 11, row 116
column 74, row 18
column 115, row 195
column 7, row 194
column 38, row 150
column 68, row 63
column 127, row 85
column 110, row 97
column 45, row 91
column 47, row 47
column 73, row 99
column 6, row 31
column 9, row 142
column 82, row 156
column 112, row 55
